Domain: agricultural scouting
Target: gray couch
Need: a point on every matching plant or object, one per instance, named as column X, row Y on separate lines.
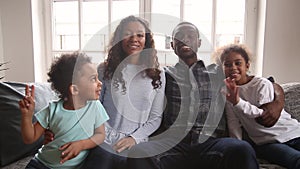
column 12, row 147
column 15, row 155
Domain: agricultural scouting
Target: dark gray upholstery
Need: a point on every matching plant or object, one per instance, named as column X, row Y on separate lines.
column 12, row 147
column 292, row 105
column 292, row 99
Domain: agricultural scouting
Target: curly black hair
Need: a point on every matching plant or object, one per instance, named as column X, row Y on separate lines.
column 116, row 55
column 64, row 71
column 241, row 49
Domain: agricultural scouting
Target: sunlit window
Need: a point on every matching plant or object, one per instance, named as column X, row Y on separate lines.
column 88, row 24
column 123, row 8
column 230, row 22
column 65, row 21
column 94, row 23
column 219, row 22
column 167, row 7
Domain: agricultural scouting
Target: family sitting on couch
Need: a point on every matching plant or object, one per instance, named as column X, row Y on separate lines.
column 169, row 118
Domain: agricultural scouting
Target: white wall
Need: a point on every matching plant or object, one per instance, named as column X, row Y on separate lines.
column 17, row 40
column 2, row 73
column 282, row 40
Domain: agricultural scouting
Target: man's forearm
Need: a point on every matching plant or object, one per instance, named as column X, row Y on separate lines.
column 273, row 109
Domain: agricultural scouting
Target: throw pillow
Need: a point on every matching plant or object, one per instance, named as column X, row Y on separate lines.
column 292, row 99
column 12, row 147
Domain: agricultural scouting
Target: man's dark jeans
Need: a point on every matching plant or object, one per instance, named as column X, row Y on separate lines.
column 220, row 153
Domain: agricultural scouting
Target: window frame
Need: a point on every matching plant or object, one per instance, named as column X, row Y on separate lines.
column 250, row 27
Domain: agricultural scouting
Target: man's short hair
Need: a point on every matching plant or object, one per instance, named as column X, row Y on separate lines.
column 186, row 23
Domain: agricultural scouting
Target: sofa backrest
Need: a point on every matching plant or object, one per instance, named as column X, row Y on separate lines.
column 292, row 99
column 12, row 147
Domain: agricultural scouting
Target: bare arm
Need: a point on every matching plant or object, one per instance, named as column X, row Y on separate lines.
column 273, row 109
column 48, row 136
column 30, row 132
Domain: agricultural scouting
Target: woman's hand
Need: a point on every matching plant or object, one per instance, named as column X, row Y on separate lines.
column 123, row 144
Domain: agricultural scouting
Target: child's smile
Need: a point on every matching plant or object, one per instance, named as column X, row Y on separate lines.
column 236, row 68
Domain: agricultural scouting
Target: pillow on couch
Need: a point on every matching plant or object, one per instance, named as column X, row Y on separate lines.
column 292, row 98
column 12, row 147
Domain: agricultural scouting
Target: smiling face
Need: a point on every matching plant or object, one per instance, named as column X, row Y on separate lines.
column 87, row 85
column 235, row 67
column 186, row 41
column 134, row 38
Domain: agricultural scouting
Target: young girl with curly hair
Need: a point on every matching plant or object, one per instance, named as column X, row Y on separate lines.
column 278, row 144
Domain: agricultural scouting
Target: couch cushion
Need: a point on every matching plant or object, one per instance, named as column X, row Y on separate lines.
column 292, row 99
column 12, row 147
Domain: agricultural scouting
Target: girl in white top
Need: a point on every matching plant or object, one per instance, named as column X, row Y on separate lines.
column 279, row 144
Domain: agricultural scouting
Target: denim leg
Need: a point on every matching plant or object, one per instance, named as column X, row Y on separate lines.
column 284, row 154
column 176, row 158
column 103, row 157
column 295, row 143
column 157, row 155
column 35, row 164
column 224, row 153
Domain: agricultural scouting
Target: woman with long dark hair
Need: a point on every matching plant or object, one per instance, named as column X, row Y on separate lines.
column 132, row 93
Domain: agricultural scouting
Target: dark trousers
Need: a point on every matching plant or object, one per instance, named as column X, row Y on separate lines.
column 285, row 154
column 221, row 153
column 103, row 157
column 35, row 164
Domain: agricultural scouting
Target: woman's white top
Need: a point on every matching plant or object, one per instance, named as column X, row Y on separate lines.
column 136, row 112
